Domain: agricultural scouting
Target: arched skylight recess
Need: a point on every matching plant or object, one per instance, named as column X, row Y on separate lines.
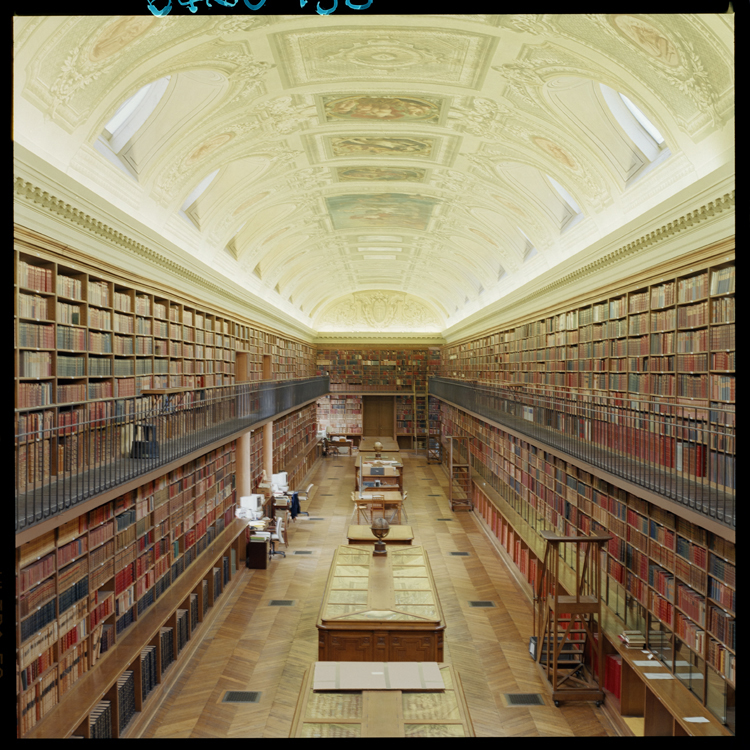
column 200, row 188
column 643, row 120
column 132, row 113
column 644, row 134
column 529, row 250
column 565, row 195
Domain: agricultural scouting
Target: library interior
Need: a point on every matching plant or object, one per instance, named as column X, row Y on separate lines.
column 460, row 463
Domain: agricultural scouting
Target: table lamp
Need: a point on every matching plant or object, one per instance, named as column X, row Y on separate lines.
column 380, row 528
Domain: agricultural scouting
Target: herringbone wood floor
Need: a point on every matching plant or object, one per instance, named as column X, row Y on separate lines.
column 253, row 646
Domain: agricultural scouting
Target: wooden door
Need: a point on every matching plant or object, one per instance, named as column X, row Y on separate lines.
column 377, row 416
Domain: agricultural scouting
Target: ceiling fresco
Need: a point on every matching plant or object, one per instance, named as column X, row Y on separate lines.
column 426, row 166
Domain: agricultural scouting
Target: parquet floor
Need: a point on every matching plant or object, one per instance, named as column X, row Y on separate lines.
column 254, row 646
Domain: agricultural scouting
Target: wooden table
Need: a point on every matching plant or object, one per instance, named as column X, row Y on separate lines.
column 364, row 535
column 368, row 444
column 341, row 444
column 369, row 469
column 383, row 713
column 380, row 608
column 379, row 495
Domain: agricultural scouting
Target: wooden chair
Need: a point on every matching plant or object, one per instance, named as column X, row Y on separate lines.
column 377, row 504
column 403, row 508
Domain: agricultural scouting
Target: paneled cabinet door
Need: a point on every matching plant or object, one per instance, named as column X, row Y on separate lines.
column 346, row 647
column 413, row 648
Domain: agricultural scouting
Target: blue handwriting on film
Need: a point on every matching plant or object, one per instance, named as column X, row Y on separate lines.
column 191, row 5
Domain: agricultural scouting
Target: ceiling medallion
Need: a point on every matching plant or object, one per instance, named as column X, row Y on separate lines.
column 384, row 54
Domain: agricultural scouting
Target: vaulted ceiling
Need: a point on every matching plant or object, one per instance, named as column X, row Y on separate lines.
column 393, row 173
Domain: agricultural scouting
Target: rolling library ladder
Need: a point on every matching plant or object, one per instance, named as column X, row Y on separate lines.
column 565, row 641
column 459, row 472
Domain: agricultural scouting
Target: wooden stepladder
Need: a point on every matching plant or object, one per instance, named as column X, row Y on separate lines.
column 459, row 472
column 565, row 641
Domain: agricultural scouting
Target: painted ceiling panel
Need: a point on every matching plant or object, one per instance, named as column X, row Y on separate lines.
column 386, row 172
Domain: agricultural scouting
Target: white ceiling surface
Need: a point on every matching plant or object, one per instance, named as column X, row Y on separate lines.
column 386, row 175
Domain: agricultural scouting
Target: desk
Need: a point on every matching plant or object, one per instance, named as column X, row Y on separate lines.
column 364, row 535
column 380, row 608
column 389, row 474
column 337, row 444
column 346, row 436
column 256, row 552
column 383, row 713
column 392, row 498
column 368, row 444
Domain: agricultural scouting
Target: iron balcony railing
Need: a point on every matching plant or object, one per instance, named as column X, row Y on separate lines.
column 685, row 453
column 98, row 445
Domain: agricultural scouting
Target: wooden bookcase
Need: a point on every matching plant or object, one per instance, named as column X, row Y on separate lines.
column 343, row 414
column 373, row 369
column 665, row 576
column 669, row 338
column 85, row 589
column 87, row 343
column 294, row 440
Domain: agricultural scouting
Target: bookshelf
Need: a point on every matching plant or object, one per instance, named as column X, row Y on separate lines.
column 373, row 369
column 85, row 341
column 82, row 589
column 343, row 414
column 665, row 576
column 294, row 437
column 669, row 338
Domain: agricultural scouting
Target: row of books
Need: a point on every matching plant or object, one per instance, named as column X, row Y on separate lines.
column 39, row 336
column 35, row 277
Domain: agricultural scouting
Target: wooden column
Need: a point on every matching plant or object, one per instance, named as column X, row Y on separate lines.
column 243, row 472
column 268, row 448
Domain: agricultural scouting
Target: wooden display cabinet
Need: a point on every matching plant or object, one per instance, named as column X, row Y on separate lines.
column 380, row 608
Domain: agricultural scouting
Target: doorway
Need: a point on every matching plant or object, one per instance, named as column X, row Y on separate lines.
column 377, row 416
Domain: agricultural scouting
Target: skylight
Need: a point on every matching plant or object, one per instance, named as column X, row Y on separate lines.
column 133, row 113
column 127, row 108
column 202, row 185
column 565, row 195
column 642, row 119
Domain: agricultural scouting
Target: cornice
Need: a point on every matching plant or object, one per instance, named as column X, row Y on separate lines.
column 378, row 339
column 646, row 243
column 32, row 195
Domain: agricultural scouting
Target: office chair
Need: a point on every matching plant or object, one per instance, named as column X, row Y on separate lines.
column 277, row 537
column 303, row 494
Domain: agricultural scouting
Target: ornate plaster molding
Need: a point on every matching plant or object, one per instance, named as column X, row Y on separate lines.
column 648, row 241
column 378, row 311
column 375, row 338
column 42, row 200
